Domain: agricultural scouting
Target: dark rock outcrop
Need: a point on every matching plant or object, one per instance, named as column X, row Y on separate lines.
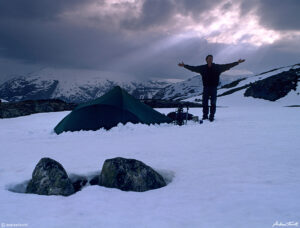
column 129, row 175
column 23, row 108
column 274, row 87
column 78, row 182
column 50, row 178
column 94, row 180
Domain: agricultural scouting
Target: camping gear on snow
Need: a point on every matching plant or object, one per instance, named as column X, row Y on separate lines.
column 180, row 117
column 195, row 118
column 114, row 107
column 187, row 114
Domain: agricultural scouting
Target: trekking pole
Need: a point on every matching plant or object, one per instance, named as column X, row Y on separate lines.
column 176, row 117
column 187, row 114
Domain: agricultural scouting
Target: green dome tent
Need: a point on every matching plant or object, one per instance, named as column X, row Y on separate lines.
column 116, row 106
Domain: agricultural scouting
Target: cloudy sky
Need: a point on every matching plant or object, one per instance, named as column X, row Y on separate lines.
column 145, row 39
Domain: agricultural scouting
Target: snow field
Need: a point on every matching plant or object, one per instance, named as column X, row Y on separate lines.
column 240, row 171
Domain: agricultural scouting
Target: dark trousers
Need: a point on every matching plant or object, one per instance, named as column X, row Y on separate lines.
column 209, row 93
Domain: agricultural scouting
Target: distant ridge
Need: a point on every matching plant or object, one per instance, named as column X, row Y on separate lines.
column 50, row 84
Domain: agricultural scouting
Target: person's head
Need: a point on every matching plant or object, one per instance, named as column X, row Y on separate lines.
column 209, row 59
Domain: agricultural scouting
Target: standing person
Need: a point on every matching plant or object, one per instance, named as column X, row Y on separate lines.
column 210, row 73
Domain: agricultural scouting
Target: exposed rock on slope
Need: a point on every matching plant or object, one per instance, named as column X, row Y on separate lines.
column 274, row 87
column 23, row 108
column 271, row 85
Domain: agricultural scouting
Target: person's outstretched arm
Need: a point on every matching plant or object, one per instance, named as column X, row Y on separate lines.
column 196, row 69
column 225, row 67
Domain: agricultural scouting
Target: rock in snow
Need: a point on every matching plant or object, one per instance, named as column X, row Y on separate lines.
column 94, row 180
column 78, row 182
column 50, row 178
column 129, row 175
column 274, row 87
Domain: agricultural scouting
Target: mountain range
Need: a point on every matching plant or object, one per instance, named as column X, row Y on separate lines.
column 50, row 84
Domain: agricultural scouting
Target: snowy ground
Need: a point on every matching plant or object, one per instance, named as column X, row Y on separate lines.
column 240, row 171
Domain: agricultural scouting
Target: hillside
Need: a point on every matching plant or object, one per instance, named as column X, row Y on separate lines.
column 279, row 85
column 188, row 88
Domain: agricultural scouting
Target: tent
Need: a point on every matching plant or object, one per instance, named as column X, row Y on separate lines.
column 114, row 107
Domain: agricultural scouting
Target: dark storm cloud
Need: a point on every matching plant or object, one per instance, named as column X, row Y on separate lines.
column 161, row 12
column 280, row 15
column 38, row 32
column 248, row 6
column 31, row 31
column 275, row 14
column 194, row 7
column 154, row 13
column 36, row 9
column 59, row 44
column 272, row 56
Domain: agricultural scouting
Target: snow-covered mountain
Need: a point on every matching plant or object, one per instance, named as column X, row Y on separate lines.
column 49, row 84
column 181, row 90
column 2, row 100
column 190, row 87
column 83, row 86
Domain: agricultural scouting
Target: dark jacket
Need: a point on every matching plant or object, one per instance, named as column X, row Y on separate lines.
column 211, row 75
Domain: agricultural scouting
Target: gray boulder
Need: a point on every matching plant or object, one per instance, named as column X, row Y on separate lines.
column 129, row 175
column 50, row 178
